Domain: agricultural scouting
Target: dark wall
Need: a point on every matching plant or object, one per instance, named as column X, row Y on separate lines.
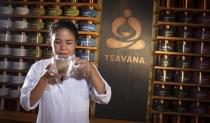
column 125, row 57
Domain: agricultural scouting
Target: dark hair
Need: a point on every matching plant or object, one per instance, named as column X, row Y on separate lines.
column 64, row 23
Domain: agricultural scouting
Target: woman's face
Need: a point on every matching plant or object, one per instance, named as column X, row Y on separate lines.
column 63, row 42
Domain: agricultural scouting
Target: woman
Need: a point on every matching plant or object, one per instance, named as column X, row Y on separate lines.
column 63, row 99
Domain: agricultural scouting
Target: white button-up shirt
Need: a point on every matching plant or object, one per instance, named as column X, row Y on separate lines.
column 66, row 102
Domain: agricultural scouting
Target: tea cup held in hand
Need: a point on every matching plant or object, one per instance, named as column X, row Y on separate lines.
column 64, row 65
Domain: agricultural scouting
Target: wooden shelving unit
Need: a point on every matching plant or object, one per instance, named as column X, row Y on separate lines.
column 10, row 108
column 180, row 86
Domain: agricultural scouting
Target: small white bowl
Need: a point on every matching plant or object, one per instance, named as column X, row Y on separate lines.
column 19, row 38
column 4, row 91
column 21, row 10
column 17, row 79
column 19, row 65
column 5, row 37
column 5, row 23
column 20, row 24
column 6, row 10
column 4, row 78
column 14, row 93
column 5, row 51
column 19, row 52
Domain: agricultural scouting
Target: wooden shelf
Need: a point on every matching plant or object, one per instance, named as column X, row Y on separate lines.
column 180, row 39
column 181, row 114
column 19, row 116
column 95, row 5
column 44, row 31
column 94, row 20
column 182, row 69
column 183, row 84
column 194, row 10
column 180, row 54
column 180, row 98
column 177, row 24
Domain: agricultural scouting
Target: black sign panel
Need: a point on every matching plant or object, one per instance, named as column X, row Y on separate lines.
column 125, row 57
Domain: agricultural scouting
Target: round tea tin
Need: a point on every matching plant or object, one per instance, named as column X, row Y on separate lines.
column 87, row 26
column 37, row 24
column 202, row 33
column 199, row 94
column 183, row 76
column 47, row 52
column 165, row 45
column 38, row 11
column 88, row 11
column 201, row 78
column 165, row 60
column 86, row 54
column 203, row 19
column 161, row 105
column 180, row 91
column 5, row 36
column 179, row 106
column 54, row 11
column 168, row 3
column 167, row 30
column 201, row 48
column 86, row 40
column 183, row 61
column 35, row 52
column 186, row 17
column 200, row 63
column 164, row 75
column 183, row 46
column 36, row 38
column 162, row 90
column 185, row 32
column 71, row 11
column 6, row 10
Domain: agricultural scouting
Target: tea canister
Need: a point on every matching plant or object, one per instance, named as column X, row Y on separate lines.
column 183, row 46
column 36, row 38
column 22, row 10
column 180, row 91
column 183, row 61
column 167, row 30
column 199, row 94
column 5, row 36
column 86, row 40
column 38, row 11
column 86, row 54
column 201, row 63
column 48, row 23
column 183, row 76
column 165, row 45
column 35, row 52
column 162, row 90
column 185, row 32
column 164, row 75
column 37, row 24
column 165, row 60
column 201, row 48
column 54, row 11
column 202, row 33
column 201, row 78
column 6, row 10
column 87, row 26
column 4, row 63
column 71, row 11
column 186, row 17
column 168, row 3
column 20, row 24
column 5, row 23
column 161, row 105
column 20, row 37
column 203, row 18
column 180, row 106
column 88, row 11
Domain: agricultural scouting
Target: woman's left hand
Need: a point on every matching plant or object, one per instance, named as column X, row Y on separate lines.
column 84, row 69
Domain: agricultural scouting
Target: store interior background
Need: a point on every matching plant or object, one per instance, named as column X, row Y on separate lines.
column 153, row 53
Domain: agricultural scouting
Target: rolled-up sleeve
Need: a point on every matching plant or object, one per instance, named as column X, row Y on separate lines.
column 101, row 98
column 30, row 82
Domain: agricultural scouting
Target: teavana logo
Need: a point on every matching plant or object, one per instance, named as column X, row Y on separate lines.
column 126, row 31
